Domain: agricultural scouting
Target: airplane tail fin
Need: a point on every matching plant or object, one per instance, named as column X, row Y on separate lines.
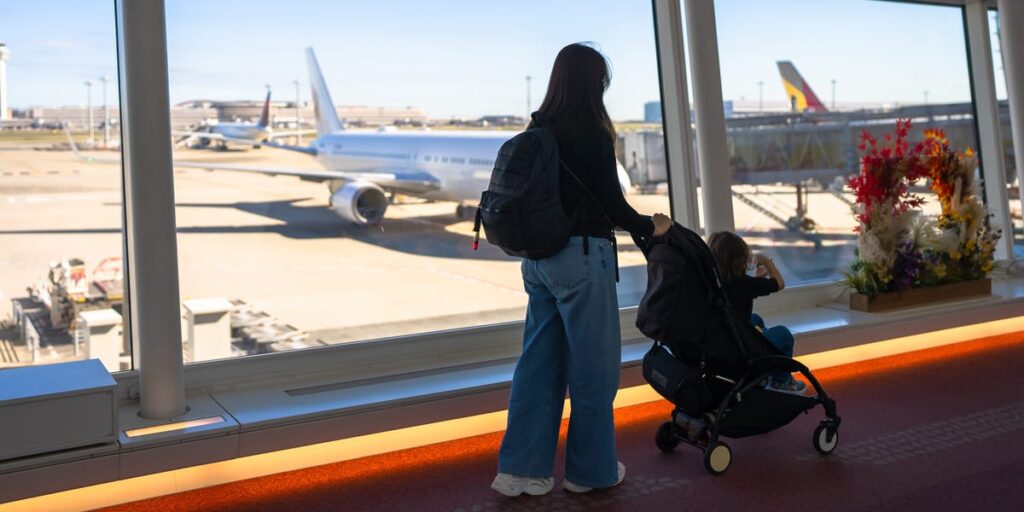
column 801, row 96
column 265, row 114
column 326, row 117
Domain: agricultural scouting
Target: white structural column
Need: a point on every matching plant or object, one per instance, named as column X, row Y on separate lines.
column 675, row 107
column 713, row 153
column 1011, row 30
column 983, row 80
column 149, row 208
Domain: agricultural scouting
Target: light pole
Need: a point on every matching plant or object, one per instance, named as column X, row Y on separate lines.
column 88, row 103
column 760, row 95
column 833, row 94
column 529, row 105
column 298, row 114
column 926, row 98
column 106, row 112
column 5, row 54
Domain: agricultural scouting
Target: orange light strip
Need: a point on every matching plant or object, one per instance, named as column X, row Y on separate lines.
column 170, row 427
column 196, row 477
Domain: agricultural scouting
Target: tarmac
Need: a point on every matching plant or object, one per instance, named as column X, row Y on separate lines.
column 274, row 243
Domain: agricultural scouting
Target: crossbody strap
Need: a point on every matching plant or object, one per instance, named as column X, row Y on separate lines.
column 597, row 203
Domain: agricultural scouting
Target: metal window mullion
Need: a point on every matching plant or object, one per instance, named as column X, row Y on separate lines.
column 150, row 240
column 675, row 107
column 983, row 84
column 713, row 153
column 1011, row 24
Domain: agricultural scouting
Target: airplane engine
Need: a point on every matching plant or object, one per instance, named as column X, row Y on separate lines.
column 360, row 202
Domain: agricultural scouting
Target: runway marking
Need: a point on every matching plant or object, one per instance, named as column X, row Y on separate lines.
column 932, row 437
column 59, row 198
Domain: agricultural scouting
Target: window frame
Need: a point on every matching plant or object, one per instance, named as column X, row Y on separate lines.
column 431, row 350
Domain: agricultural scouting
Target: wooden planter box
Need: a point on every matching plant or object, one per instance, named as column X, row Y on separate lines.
column 920, row 296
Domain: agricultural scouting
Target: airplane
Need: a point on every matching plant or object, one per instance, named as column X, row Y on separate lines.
column 363, row 170
column 254, row 134
column 801, row 96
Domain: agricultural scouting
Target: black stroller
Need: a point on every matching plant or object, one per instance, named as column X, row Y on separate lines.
column 709, row 362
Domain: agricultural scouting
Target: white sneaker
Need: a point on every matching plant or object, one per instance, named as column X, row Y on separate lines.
column 512, row 486
column 571, row 487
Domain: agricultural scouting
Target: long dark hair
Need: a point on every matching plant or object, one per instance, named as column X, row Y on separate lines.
column 731, row 252
column 575, row 96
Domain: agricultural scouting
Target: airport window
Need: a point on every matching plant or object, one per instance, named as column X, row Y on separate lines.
column 61, row 273
column 1007, row 134
column 296, row 263
column 798, row 97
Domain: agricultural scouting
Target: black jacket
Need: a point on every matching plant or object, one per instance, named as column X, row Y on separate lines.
column 590, row 154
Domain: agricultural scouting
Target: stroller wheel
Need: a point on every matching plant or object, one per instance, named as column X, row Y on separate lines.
column 665, row 439
column 823, row 442
column 717, row 457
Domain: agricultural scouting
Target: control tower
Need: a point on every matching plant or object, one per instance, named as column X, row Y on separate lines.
column 4, row 111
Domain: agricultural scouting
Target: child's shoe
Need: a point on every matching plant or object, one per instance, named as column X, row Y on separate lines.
column 790, row 385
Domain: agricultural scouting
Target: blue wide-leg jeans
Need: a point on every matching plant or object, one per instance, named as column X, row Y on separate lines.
column 571, row 340
column 781, row 337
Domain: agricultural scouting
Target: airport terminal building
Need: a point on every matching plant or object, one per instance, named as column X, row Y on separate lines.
column 327, row 294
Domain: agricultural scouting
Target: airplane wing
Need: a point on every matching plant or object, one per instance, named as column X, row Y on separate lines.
column 309, row 150
column 402, row 180
column 291, row 133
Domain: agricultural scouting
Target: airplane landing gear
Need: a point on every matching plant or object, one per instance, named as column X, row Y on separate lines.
column 800, row 224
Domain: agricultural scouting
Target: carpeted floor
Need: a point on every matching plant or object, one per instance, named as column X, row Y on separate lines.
column 936, row 430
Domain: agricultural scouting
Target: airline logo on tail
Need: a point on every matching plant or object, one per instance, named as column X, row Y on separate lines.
column 801, row 96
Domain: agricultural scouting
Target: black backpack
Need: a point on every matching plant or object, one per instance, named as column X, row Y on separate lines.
column 521, row 210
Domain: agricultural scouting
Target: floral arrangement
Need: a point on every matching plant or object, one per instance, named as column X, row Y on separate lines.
column 897, row 248
column 963, row 248
column 888, row 245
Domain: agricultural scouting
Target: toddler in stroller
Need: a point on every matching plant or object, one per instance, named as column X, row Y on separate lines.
column 709, row 361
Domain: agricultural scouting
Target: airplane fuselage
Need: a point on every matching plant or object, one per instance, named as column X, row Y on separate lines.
column 246, row 131
column 460, row 162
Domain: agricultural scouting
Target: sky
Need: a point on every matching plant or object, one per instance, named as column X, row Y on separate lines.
column 465, row 58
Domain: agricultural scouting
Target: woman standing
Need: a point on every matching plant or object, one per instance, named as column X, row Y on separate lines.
column 572, row 337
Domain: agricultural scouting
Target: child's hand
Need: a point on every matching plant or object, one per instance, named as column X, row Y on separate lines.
column 761, row 260
column 761, row 271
